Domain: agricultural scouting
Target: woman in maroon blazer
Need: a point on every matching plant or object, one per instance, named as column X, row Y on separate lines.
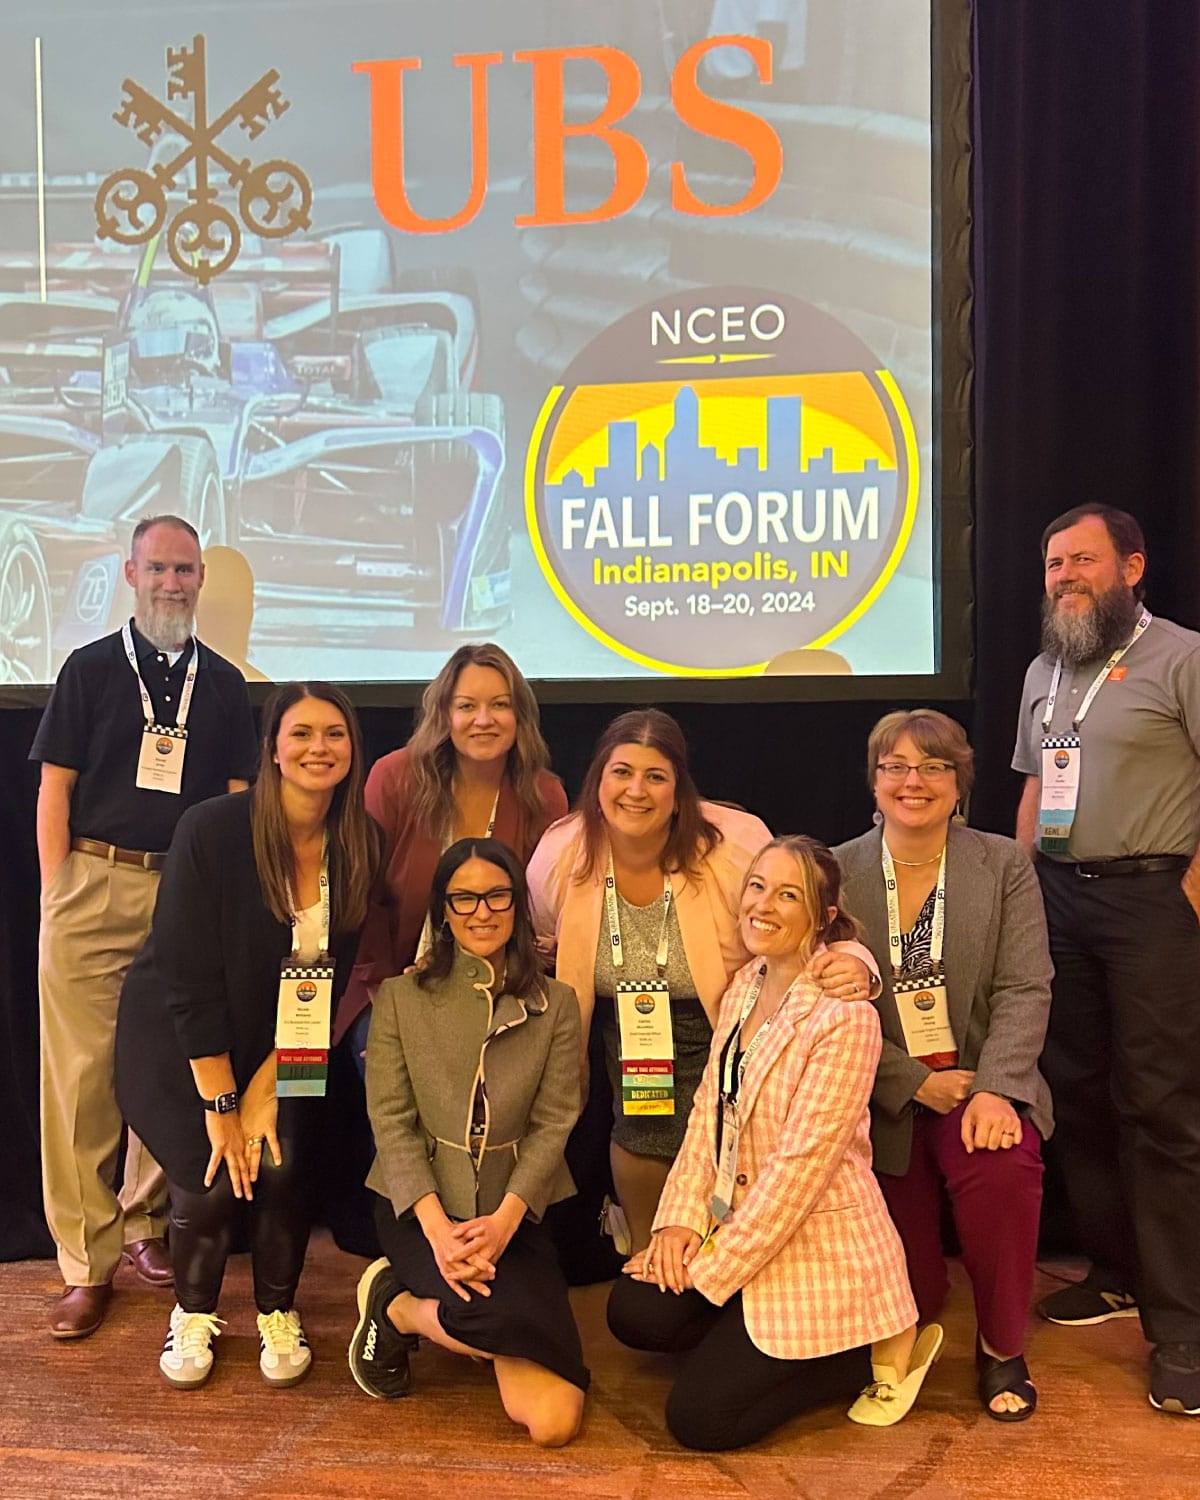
column 475, row 767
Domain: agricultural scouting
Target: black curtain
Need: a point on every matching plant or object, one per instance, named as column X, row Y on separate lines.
column 1086, row 335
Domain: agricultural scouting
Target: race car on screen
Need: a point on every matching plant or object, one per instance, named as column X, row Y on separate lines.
column 311, row 410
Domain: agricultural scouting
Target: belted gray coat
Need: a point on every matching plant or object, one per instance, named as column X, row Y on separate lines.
column 997, row 961
column 427, row 1052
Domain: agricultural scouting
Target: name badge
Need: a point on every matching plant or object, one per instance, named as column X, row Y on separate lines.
column 1061, row 756
column 721, row 1203
column 647, row 1047
column 160, row 759
column 302, row 1027
column 925, row 1019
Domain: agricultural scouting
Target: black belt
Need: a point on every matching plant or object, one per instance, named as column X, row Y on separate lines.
column 1143, row 864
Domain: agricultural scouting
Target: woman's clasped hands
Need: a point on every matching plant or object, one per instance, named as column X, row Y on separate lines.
column 665, row 1260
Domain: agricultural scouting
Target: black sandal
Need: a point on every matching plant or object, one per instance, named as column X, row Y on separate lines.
column 998, row 1377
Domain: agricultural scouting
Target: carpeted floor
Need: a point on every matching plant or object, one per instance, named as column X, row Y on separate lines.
column 96, row 1419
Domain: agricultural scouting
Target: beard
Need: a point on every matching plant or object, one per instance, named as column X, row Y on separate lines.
column 1097, row 632
column 167, row 626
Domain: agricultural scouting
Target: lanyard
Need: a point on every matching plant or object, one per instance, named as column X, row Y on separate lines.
column 1052, row 697
column 729, row 1089
column 895, row 943
column 614, row 920
column 189, row 682
column 323, row 882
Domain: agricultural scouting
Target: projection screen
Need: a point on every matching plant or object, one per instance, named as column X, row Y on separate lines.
column 630, row 334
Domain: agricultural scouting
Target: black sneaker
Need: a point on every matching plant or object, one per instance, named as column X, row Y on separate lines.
column 1175, row 1378
column 379, row 1351
column 1087, row 1301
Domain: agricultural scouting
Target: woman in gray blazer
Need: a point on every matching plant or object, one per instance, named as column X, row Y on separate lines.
column 472, row 1088
column 955, row 920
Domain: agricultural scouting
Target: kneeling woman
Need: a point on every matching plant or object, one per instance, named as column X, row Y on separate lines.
column 789, row 1277
column 472, row 1088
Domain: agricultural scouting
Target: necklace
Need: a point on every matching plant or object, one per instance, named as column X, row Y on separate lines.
column 917, row 864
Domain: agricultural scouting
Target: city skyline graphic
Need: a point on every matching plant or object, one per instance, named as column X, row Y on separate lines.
column 683, row 465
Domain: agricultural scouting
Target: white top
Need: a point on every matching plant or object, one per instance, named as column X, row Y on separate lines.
column 308, row 931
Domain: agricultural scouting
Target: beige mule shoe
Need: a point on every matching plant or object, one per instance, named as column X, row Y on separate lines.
column 888, row 1399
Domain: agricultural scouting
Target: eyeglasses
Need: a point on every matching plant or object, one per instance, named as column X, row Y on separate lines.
column 928, row 770
column 466, row 903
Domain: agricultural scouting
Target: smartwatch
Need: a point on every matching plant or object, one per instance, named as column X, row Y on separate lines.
column 223, row 1104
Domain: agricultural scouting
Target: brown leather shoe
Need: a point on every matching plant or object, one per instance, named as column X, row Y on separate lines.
column 149, row 1258
column 80, row 1311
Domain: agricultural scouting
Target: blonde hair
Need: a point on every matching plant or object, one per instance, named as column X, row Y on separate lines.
column 432, row 757
column 821, row 887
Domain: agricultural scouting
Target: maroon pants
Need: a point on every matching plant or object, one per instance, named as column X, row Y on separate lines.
column 996, row 1199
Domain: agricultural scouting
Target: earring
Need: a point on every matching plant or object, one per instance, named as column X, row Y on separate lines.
column 960, row 812
column 444, row 933
column 876, row 817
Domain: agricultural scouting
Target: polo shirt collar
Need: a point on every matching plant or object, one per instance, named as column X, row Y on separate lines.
column 144, row 651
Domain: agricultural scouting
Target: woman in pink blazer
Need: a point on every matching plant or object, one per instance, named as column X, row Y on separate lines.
column 789, row 1278
column 640, row 885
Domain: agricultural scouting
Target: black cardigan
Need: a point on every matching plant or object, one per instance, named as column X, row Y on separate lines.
column 206, row 982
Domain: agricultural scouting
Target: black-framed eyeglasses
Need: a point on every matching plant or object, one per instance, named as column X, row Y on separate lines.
column 466, row 903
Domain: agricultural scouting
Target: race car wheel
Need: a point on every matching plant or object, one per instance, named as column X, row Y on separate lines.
column 201, row 498
column 462, row 409
column 24, row 608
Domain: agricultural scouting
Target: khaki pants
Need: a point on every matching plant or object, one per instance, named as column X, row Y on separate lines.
column 95, row 918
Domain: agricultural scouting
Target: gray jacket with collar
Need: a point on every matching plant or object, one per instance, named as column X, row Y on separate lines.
column 428, row 1049
column 997, row 960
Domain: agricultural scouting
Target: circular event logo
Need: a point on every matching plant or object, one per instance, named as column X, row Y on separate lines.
column 306, row 990
column 924, row 1001
column 1061, row 759
column 644, row 1004
column 721, row 478
column 163, row 746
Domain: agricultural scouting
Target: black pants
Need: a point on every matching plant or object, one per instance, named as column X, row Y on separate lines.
column 728, row 1392
column 280, row 1216
column 1123, row 1060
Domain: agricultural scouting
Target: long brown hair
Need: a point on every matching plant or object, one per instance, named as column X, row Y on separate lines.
column 691, row 836
column 431, row 755
column 353, row 837
column 822, row 887
column 523, row 975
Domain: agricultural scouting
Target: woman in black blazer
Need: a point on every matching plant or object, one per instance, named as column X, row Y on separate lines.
column 261, row 902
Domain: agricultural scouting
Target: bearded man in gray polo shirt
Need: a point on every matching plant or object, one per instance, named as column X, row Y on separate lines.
column 1109, row 742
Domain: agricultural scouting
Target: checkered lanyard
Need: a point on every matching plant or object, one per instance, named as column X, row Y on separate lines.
column 922, row 1003
column 1062, row 754
column 643, row 1007
column 305, row 1008
column 728, row 1128
column 162, row 748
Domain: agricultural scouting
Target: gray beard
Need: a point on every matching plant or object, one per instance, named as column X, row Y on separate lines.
column 1087, row 637
column 165, row 632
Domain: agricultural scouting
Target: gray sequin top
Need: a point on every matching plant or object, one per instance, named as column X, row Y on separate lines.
column 640, row 930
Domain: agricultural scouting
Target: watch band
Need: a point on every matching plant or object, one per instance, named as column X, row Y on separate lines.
column 223, row 1104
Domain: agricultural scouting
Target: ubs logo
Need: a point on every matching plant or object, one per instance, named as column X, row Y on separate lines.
column 204, row 237
column 306, row 990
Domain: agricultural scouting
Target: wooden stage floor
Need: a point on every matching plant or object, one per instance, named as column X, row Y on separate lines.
column 95, row 1419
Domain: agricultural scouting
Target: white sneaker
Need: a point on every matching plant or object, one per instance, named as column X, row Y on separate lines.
column 284, row 1356
column 187, row 1357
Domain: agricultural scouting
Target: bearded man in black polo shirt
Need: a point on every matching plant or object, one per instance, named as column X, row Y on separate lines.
column 140, row 726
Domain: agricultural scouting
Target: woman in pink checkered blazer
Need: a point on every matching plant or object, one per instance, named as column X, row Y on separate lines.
column 788, row 1277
